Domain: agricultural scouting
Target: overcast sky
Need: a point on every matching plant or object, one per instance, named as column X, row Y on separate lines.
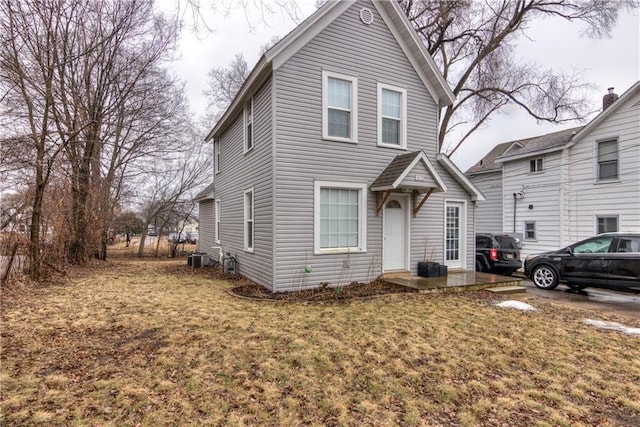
column 552, row 43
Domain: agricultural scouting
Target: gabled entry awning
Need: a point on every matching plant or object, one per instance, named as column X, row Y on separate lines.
column 408, row 173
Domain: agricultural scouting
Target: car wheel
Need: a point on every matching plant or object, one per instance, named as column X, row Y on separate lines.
column 576, row 286
column 479, row 267
column 544, row 277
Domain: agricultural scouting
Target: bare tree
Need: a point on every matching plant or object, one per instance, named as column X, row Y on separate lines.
column 170, row 183
column 473, row 42
column 85, row 85
column 224, row 84
column 33, row 40
column 196, row 12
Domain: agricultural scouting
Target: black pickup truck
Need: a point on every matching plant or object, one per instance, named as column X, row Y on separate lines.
column 610, row 260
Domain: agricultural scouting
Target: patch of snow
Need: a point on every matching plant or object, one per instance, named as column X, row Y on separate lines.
column 612, row 326
column 518, row 305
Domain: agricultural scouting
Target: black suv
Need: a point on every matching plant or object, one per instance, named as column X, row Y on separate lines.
column 497, row 253
column 610, row 260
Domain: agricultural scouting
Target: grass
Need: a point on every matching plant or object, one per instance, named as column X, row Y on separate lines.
column 133, row 343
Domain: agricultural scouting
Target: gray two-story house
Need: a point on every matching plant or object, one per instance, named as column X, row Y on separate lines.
column 326, row 164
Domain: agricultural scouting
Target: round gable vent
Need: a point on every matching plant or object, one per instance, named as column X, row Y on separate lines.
column 366, row 16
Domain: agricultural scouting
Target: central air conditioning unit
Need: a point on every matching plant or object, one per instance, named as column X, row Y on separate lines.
column 198, row 260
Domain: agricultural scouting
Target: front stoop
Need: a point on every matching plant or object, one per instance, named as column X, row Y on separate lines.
column 456, row 282
column 508, row 289
column 396, row 274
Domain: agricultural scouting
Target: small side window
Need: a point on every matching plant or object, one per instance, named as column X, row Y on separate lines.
column 530, row 230
column 536, row 165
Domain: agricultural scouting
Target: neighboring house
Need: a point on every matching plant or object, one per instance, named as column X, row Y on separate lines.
column 326, row 165
column 568, row 185
column 487, row 177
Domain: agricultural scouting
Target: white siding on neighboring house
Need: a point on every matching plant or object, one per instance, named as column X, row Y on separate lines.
column 588, row 197
column 540, row 202
column 489, row 211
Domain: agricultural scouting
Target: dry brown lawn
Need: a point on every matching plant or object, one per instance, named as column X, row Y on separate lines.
column 134, row 343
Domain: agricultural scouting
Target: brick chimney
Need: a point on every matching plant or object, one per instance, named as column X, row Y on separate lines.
column 609, row 99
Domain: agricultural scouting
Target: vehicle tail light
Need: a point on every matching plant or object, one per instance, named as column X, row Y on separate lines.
column 493, row 254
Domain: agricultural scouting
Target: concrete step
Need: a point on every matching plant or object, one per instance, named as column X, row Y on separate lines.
column 508, row 289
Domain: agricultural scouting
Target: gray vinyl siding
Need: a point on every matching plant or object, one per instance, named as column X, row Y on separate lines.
column 428, row 227
column 589, row 198
column 238, row 172
column 542, row 193
column 371, row 54
column 206, row 226
column 489, row 212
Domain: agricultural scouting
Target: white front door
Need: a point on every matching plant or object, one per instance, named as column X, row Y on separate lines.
column 454, row 232
column 395, row 234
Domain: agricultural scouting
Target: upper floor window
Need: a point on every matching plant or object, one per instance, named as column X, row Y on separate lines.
column 607, row 224
column 216, row 155
column 536, row 165
column 608, row 159
column 339, row 107
column 217, row 230
column 248, row 126
column 392, row 116
column 249, row 231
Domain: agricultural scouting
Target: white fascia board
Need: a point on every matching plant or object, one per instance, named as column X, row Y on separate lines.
column 257, row 76
column 305, row 32
column 421, row 157
column 416, row 51
column 476, row 194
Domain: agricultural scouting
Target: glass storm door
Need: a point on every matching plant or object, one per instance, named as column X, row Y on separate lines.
column 453, row 235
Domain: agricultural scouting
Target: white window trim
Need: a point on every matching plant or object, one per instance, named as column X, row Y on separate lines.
column 535, row 159
column 325, row 106
column 245, row 121
column 362, row 220
column 403, row 118
column 596, row 158
column 596, row 217
column 216, row 155
column 217, row 222
column 535, row 231
column 463, row 231
column 246, row 220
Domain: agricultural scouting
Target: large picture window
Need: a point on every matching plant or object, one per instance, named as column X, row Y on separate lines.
column 340, row 217
column 608, row 160
column 392, row 116
column 249, row 230
column 339, row 104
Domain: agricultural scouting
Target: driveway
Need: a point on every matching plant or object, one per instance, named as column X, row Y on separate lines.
column 627, row 303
